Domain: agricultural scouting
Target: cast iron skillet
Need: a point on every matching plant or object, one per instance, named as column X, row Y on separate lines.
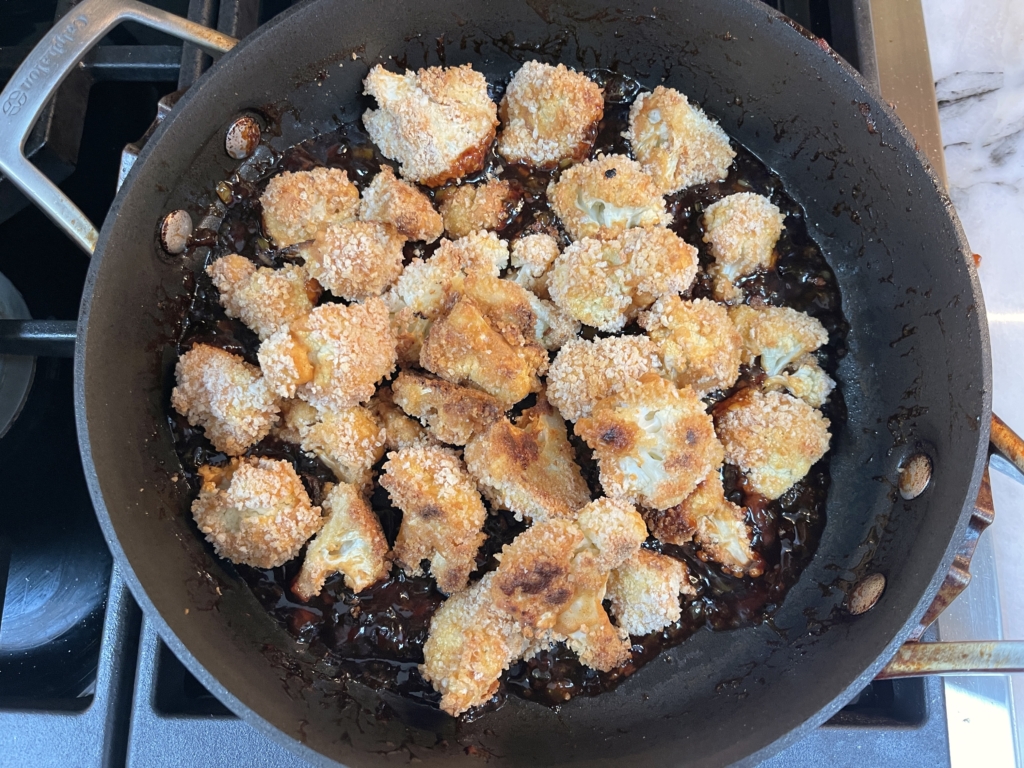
column 917, row 376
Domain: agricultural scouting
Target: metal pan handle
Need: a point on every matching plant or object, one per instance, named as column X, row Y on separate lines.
column 46, row 67
column 982, row 657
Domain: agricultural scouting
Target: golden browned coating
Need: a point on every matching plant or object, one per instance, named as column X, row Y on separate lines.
column 532, row 257
column 351, row 542
column 430, row 287
column 604, row 197
column 470, row 644
column 675, row 142
column 776, row 337
column 357, row 259
column 653, row 442
column 644, row 591
column 741, row 231
column 660, row 264
column 588, row 281
column 548, row 587
column 471, row 207
column 298, row 205
column 549, row 115
column 451, row 413
column 614, row 528
column 464, row 347
column 409, row 329
column 554, row 326
column 266, row 300
column 443, row 515
column 400, row 430
column 392, row 201
column 529, row 467
column 773, row 437
column 808, row 382
column 553, row 581
column 698, row 343
column 224, row 395
column 587, row 371
column 255, row 511
column 438, row 123
column 348, row 440
column 717, row 525
column 534, row 581
column 333, row 357
column 605, row 283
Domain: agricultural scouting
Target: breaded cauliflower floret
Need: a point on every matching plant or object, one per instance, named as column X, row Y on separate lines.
column 587, row 371
column 779, row 336
column 255, row 511
column 675, row 142
column 427, row 287
column 333, row 357
column 266, row 300
column 451, row 413
column 390, row 200
column 351, row 542
column 614, row 528
column 554, row 326
column 653, row 442
column 471, row 207
column 553, row 578
column 604, row 197
column 548, row 587
column 400, row 431
column 409, row 330
column 438, row 123
column 464, row 347
column 298, row 205
column 357, row 259
column 469, row 645
column 348, row 440
column 443, row 515
column 532, row 257
column 529, row 467
column 224, row 395
column 588, row 281
column 698, row 343
column 808, row 382
column 550, row 114
column 644, row 591
column 741, row 231
column 605, row 283
column 773, row 437
column 717, row 525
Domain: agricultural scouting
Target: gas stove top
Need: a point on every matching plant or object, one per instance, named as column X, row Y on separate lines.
column 84, row 678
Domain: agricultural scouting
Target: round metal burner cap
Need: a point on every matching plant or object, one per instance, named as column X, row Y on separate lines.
column 16, row 371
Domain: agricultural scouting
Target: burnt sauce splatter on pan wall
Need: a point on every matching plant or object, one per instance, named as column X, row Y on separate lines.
column 377, row 636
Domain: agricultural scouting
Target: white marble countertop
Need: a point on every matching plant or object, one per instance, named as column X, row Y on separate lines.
column 977, row 56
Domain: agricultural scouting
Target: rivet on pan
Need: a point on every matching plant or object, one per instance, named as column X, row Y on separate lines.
column 915, row 476
column 175, row 230
column 242, row 138
column 866, row 593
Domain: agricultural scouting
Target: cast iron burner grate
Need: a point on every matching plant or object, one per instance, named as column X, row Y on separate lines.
column 84, row 679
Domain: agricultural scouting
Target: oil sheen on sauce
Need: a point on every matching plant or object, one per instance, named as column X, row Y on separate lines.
column 377, row 636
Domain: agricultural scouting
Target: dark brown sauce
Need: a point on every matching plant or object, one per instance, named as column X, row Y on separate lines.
column 377, row 636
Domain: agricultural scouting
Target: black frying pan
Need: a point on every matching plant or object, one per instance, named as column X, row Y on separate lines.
column 917, row 376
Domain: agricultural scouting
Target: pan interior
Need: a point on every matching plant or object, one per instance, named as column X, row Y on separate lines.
column 915, row 377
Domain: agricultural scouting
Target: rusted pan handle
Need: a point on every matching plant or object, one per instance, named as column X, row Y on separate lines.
column 1009, row 444
column 973, row 658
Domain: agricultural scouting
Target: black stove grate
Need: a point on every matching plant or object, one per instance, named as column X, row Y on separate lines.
column 84, row 679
